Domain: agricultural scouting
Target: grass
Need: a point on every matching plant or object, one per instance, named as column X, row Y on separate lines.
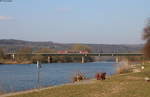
column 124, row 85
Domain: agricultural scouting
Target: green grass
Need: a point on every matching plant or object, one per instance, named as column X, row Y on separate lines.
column 127, row 85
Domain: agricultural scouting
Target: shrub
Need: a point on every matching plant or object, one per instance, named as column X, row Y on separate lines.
column 100, row 76
column 123, row 68
column 78, row 77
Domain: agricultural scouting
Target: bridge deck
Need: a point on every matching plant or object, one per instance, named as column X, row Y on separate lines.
column 79, row 54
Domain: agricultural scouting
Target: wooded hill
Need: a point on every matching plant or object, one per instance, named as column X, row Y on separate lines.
column 12, row 45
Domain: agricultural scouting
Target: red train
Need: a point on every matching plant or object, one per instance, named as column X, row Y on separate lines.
column 71, row 51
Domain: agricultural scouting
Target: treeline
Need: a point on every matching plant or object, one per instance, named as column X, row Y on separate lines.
column 22, row 55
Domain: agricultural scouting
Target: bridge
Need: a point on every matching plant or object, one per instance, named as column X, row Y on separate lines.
column 83, row 55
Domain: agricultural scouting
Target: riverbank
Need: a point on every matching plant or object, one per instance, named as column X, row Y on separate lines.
column 45, row 88
column 15, row 62
column 29, row 62
column 124, row 85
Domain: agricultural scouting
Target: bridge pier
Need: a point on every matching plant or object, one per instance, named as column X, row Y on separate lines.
column 117, row 59
column 13, row 56
column 143, row 60
column 83, row 59
column 49, row 60
column 127, row 60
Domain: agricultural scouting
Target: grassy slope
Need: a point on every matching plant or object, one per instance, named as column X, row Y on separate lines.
column 128, row 85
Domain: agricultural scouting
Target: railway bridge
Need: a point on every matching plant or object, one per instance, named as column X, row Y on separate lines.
column 82, row 55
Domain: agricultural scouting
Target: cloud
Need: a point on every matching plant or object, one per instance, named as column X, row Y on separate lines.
column 5, row 18
column 64, row 9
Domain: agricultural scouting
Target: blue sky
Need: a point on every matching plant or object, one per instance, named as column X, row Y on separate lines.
column 75, row 21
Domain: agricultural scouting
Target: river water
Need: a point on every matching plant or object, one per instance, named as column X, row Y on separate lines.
column 19, row 77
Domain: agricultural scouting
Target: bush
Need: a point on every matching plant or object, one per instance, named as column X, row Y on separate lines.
column 100, row 76
column 123, row 68
column 78, row 77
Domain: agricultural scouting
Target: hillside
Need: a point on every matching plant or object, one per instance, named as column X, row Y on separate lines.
column 11, row 45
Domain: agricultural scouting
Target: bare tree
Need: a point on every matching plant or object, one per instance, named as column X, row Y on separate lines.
column 146, row 37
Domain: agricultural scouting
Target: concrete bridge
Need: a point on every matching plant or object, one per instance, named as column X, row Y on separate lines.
column 83, row 55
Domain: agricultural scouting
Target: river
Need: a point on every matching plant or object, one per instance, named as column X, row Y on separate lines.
column 19, row 77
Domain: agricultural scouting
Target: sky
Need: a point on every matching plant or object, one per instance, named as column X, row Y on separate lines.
column 74, row 21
